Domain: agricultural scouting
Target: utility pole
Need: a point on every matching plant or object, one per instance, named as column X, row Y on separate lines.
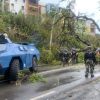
column 51, row 34
column 2, row 5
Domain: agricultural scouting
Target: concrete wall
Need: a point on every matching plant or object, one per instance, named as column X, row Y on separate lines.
column 43, row 8
column 17, row 6
column 91, row 28
column 25, row 6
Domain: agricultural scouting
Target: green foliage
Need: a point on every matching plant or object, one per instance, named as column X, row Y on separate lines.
column 56, row 62
column 2, row 26
column 46, row 56
column 38, row 29
column 32, row 77
column 81, row 57
column 50, row 57
column 0, row 5
column 36, row 78
column 21, row 75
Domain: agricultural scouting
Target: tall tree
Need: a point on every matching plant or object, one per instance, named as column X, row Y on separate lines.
column 72, row 24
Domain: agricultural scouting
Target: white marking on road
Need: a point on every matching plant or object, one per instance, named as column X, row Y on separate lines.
column 43, row 95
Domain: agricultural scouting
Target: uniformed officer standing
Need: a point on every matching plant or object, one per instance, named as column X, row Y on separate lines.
column 90, row 60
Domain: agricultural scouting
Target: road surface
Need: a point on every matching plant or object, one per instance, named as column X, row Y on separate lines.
column 68, row 84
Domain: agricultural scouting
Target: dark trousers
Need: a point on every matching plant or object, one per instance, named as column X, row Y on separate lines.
column 89, row 67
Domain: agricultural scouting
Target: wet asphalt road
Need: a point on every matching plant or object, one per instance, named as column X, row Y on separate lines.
column 89, row 91
column 37, row 91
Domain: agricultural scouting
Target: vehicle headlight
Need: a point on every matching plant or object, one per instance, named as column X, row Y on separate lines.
column 21, row 48
column 32, row 49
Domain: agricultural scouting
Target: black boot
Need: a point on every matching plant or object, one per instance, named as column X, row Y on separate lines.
column 92, row 75
column 86, row 75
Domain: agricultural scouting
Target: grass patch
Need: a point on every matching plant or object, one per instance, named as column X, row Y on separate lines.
column 36, row 78
column 21, row 74
column 32, row 78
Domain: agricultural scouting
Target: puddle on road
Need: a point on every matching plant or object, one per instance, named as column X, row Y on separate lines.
column 56, row 82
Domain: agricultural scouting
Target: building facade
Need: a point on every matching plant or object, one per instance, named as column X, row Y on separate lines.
column 51, row 7
column 16, row 6
column 91, row 28
column 24, row 6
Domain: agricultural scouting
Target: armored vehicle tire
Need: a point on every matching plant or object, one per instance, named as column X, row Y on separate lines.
column 34, row 65
column 14, row 69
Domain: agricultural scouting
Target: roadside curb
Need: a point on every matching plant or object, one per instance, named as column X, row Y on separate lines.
column 52, row 71
column 63, row 69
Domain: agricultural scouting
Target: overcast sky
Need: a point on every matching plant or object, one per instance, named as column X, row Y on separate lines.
column 89, row 7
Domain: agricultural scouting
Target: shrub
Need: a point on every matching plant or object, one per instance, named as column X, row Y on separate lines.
column 36, row 78
column 46, row 56
column 81, row 57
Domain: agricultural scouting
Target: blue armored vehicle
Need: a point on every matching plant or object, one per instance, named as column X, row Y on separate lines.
column 15, row 57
